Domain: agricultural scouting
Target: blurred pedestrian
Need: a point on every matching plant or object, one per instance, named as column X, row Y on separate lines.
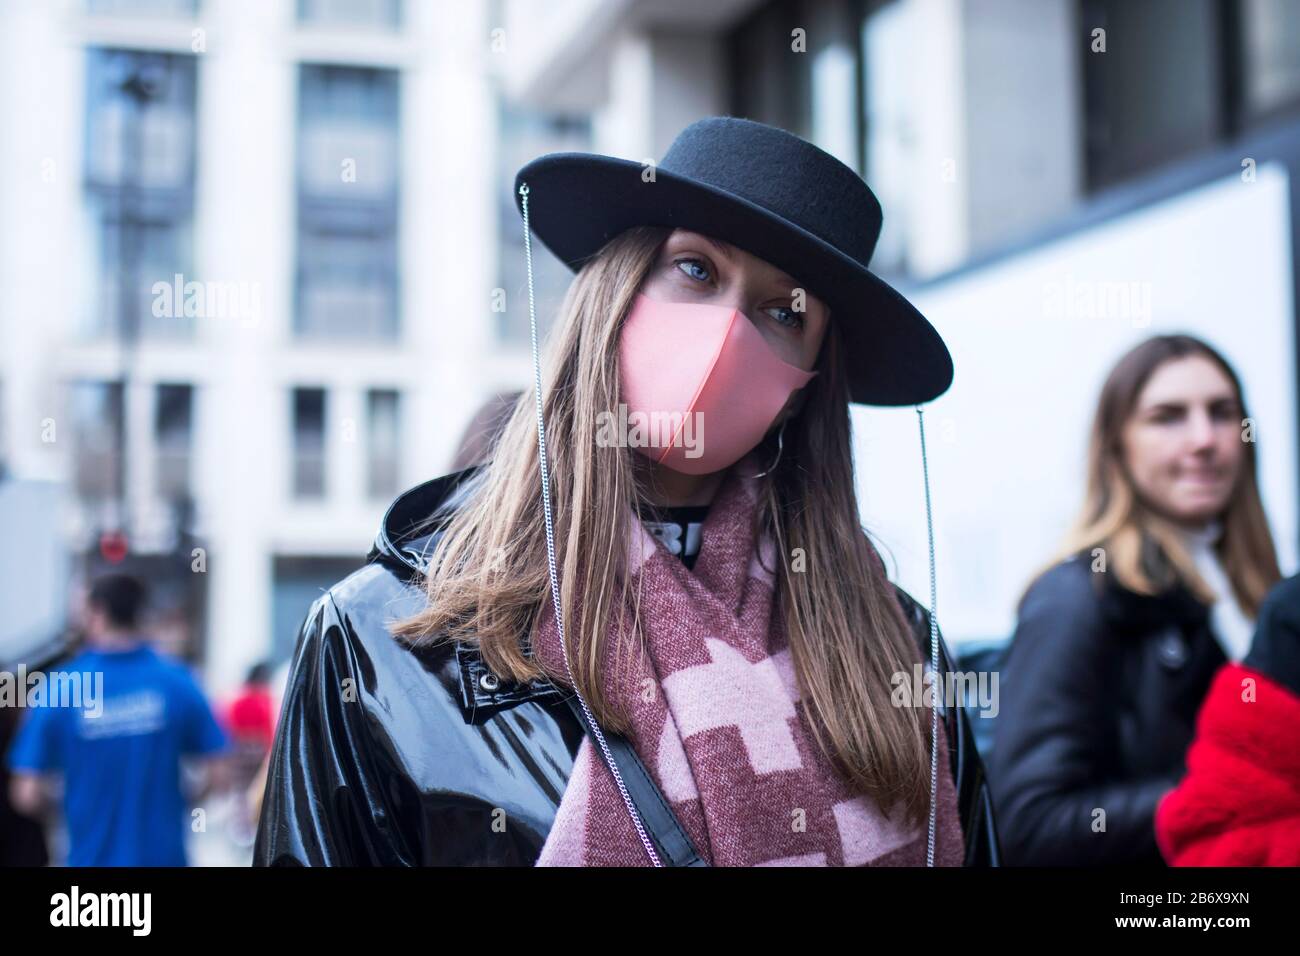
column 250, row 716
column 22, row 839
column 118, row 749
column 1239, row 804
column 250, row 719
column 256, row 788
column 1117, row 644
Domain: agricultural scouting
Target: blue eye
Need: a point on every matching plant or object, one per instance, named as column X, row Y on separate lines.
column 700, row 273
column 789, row 318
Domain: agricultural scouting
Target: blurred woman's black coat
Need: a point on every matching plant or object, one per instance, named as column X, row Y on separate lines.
column 388, row 756
column 1098, row 700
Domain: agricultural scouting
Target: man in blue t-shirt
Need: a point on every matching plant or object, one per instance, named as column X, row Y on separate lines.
column 115, row 721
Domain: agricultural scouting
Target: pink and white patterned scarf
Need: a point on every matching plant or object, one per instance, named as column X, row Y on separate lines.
column 715, row 721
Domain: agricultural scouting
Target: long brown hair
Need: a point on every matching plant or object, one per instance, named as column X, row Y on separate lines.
column 1143, row 549
column 848, row 636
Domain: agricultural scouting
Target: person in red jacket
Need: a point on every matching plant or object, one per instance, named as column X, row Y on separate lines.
column 250, row 719
column 251, row 715
column 1239, row 803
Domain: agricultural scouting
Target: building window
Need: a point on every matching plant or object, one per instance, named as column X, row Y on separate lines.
column 384, row 443
column 379, row 14
column 97, row 425
column 309, row 442
column 143, row 8
column 889, row 136
column 832, row 61
column 810, row 92
column 173, row 440
column 770, row 82
column 1180, row 76
column 1155, row 93
column 1270, row 35
column 819, row 93
column 347, row 280
column 139, row 167
column 296, row 583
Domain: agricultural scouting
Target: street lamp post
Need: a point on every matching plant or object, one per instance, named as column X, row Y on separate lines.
column 144, row 82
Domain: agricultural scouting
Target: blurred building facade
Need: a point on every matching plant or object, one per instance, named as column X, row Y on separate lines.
column 333, row 177
column 251, row 253
column 976, row 122
column 1012, row 143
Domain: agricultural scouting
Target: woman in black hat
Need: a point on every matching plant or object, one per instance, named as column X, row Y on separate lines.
column 650, row 629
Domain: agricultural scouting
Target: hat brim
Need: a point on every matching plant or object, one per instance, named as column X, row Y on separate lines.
column 577, row 202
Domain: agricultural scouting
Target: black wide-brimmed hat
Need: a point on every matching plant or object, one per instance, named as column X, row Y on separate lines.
column 774, row 195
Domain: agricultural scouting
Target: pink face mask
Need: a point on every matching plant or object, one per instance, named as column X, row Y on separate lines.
column 701, row 386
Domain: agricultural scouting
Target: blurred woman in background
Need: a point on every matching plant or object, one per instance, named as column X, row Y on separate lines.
column 1155, row 588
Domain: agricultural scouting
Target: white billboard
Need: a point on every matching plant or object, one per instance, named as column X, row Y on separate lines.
column 1032, row 338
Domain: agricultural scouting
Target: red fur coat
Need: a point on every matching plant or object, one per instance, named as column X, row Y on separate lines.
column 1239, row 804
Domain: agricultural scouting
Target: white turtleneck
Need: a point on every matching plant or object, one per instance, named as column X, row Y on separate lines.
column 1230, row 624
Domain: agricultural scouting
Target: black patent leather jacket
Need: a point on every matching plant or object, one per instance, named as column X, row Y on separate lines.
column 388, row 756
column 1101, row 688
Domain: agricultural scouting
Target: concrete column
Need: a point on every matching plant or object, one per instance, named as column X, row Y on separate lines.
column 41, row 85
column 244, row 232
column 936, row 181
column 659, row 81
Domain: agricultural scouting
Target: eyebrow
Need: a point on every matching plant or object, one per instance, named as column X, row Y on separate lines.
column 1177, row 405
column 726, row 249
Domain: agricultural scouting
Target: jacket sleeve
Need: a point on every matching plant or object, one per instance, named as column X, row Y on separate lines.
column 321, row 805
column 1057, row 734
column 1239, row 804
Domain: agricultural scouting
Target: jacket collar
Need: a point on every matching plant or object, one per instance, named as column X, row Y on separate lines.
column 1176, row 606
column 407, row 537
column 411, row 528
column 1131, row 612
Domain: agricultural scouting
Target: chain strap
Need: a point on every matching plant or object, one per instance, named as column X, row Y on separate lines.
column 550, row 545
column 934, row 649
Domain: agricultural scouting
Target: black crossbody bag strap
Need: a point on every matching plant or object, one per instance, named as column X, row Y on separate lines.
column 670, row 839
